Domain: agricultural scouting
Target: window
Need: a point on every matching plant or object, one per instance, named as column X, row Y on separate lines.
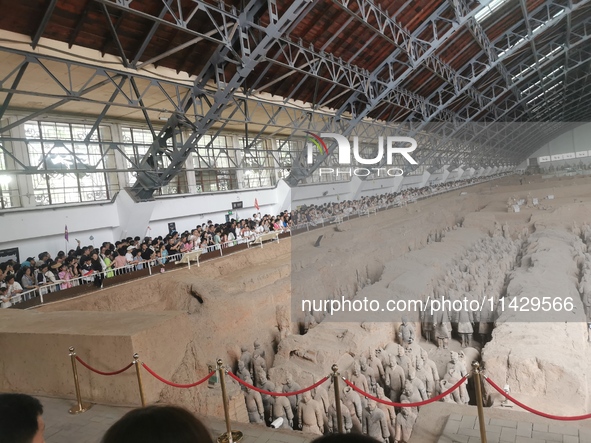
column 214, row 162
column 8, row 188
column 137, row 142
column 259, row 164
column 70, row 164
column 489, row 9
column 288, row 152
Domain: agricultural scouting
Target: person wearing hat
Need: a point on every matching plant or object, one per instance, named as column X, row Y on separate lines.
column 130, row 256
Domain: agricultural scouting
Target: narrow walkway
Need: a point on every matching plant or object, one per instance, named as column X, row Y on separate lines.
column 451, row 423
column 89, row 427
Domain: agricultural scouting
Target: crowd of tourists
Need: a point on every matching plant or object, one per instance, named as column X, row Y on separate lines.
column 91, row 265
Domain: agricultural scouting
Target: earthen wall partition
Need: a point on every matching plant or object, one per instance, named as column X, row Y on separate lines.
column 34, row 352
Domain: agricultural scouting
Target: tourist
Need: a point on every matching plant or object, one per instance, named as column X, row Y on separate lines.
column 20, row 419
column 158, row 424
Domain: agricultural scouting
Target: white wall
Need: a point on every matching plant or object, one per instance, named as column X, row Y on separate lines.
column 577, row 141
column 42, row 229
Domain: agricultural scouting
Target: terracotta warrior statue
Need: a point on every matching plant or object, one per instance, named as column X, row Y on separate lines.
column 310, row 415
column 374, row 422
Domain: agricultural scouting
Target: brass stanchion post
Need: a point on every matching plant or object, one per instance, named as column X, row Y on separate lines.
column 229, row 436
column 337, row 397
column 477, row 383
column 80, row 407
column 137, row 363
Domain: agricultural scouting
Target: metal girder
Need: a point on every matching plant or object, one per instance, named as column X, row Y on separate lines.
column 158, row 174
column 494, row 94
column 41, row 28
column 375, row 90
column 418, row 50
column 582, row 33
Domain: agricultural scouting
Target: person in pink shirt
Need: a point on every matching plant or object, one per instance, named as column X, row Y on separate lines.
column 119, row 262
column 66, row 276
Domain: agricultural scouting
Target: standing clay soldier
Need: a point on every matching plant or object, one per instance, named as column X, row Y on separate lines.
column 291, row 386
column 442, row 328
column 369, row 374
column 378, row 368
column 406, row 333
column 333, row 420
column 410, row 395
column 403, row 361
column 430, row 365
column 427, row 321
column 242, row 372
column 310, row 416
column 417, row 383
column 246, row 358
column 259, row 364
column 283, row 322
column 352, row 401
column 394, row 379
column 405, row 420
column 450, row 379
column 485, row 322
column 460, row 371
column 258, row 351
column 359, row 380
column 281, row 408
column 465, row 329
column 426, row 376
column 389, row 411
column 374, row 422
column 267, row 385
column 444, row 386
column 320, row 394
column 254, row 404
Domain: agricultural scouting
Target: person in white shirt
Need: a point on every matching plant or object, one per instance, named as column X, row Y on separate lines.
column 12, row 288
column 4, row 299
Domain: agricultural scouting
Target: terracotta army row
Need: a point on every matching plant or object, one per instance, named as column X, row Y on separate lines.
column 478, row 275
column 409, row 376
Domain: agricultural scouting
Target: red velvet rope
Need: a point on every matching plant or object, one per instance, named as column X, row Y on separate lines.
column 533, row 411
column 87, row 366
column 408, row 405
column 177, row 385
column 276, row 394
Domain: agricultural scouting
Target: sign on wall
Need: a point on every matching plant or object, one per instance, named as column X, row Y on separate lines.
column 557, row 157
column 544, row 159
column 581, row 154
column 568, row 156
column 171, row 227
column 9, row 254
column 237, row 205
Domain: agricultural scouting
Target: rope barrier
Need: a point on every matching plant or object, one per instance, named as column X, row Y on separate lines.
column 87, row 366
column 276, row 394
column 407, row 405
column 533, row 411
column 177, row 385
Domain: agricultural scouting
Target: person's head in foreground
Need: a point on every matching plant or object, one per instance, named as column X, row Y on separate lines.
column 345, row 438
column 158, row 424
column 20, row 419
